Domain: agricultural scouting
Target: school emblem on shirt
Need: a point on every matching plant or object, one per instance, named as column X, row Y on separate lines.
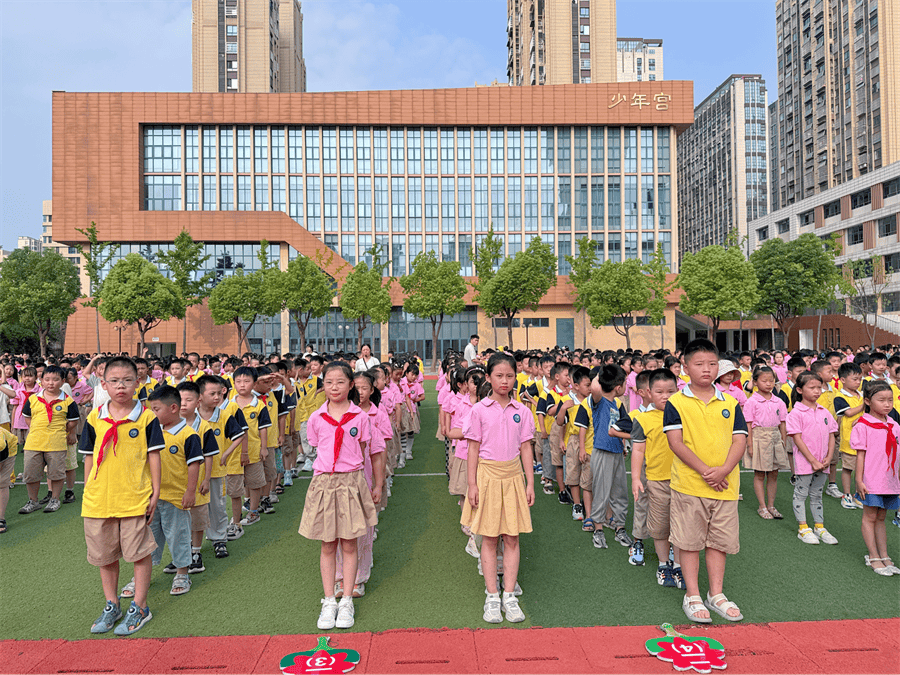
column 354, row 431
column 133, row 433
column 726, row 414
column 517, row 418
column 253, row 416
column 174, row 449
column 58, row 408
column 217, row 432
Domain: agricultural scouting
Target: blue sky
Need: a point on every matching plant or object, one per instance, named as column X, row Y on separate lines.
column 348, row 44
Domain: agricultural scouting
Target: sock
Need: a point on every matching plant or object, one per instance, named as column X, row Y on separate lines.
column 803, row 526
column 195, row 549
column 329, row 597
column 820, row 526
column 676, row 566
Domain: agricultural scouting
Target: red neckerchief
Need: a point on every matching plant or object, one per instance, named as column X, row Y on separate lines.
column 48, row 406
column 112, row 434
column 339, row 434
column 890, row 446
column 264, row 398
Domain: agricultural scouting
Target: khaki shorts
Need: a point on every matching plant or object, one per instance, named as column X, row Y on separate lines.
column 255, row 475
column 658, row 516
column 199, row 517
column 268, row 465
column 34, row 466
column 6, row 468
column 848, row 462
column 288, row 443
column 700, row 522
column 576, row 472
column 109, row 539
column 72, row 457
column 557, row 451
column 234, row 485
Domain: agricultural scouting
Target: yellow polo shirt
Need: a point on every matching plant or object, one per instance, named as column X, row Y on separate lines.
column 843, row 400
column 647, row 428
column 9, row 445
column 256, row 416
column 120, row 487
column 182, row 448
column 46, row 435
column 227, row 426
column 707, row 430
column 144, row 389
column 272, row 406
column 570, row 427
column 584, row 419
column 209, row 447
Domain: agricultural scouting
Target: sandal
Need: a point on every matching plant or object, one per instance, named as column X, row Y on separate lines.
column 128, row 590
column 884, row 571
column 587, row 525
column 716, row 604
column 764, row 513
column 3, row 527
column 691, row 605
column 181, row 584
column 279, row 490
column 775, row 514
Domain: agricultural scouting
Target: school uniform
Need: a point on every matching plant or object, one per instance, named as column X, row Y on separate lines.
column 9, row 448
column 610, row 486
column 647, row 428
column 765, row 417
column 843, row 400
column 878, row 441
column 576, row 472
column 583, row 421
column 642, row 503
column 210, row 448
column 814, row 425
column 227, row 426
column 46, row 443
column 252, row 475
column 502, row 504
column 459, row 478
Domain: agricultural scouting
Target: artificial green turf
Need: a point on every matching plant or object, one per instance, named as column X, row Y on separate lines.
column 422, row 577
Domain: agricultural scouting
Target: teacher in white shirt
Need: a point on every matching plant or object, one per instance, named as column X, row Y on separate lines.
column 366, row 361
column 471, row 350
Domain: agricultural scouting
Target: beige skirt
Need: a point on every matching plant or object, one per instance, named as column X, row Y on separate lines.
column 392, row 450
column 409, row 422
column 502, row 505
column 459, row 479
column 769, row 453
column 338, row 506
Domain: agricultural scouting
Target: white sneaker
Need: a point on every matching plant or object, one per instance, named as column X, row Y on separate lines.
column 511, row 608
column 849, row 502
column 328, row 614
column 492, row 608
column 401, row 463
column 833, row 491
column 825, row 536
column 807, row 537
column 345, row 613
column 273, row 498
column 308, row 465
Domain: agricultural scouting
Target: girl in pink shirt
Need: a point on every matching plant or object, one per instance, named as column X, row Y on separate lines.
column 499, row 432
column 729, row 381
column 409, row 414
column 339, row 504
column 875, row 438
column 812, row 429
column 765, row 415
column 382, row 374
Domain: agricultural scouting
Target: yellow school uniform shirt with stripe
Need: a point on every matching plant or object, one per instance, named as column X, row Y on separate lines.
column 273, row 409
column 120, row 486
column 584, row 419
column 843, row 400
column 227, row 425
column 826, row 400
column 306, row 392
column 570, row 427
column 209, row 448
column 9, row 444
column 521, row 379
column 144, row 389
column 256, row 416
column 647, row 428
column 707, row 430
column 45, row 435
column 896, row 390
column 183, row 447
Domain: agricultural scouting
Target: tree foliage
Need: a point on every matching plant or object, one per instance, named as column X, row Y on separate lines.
column 520, row 283
column 718, row 283
column 96, row 256
column 136, row 292
column 307, row 292
column 364, row 298
column 657, row 270
column 184, row 260
column 795, row 276
column 583, row 264
column 37, row 290
column 434, row 290
column 486, row 255
column 616, row 293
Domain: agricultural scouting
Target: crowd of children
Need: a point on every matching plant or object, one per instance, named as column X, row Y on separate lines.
column 168, row 447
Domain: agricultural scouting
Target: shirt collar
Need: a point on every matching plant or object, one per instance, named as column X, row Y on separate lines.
column 195, row 423
column 131, row 417
column 216, row 413
column 687, row 391
column 181, row 424
column 488, row 401
column 574, row 398
column 847, row 393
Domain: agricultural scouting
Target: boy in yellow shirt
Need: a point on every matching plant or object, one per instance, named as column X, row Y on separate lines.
column 848, row 408
column 121, row 442
column 707, row 433
column 253, row 478
column 9, row 448
column 578, row 468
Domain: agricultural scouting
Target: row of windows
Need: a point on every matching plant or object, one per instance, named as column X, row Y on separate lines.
column 446, row 204
column 428, row 151
column 224, row 259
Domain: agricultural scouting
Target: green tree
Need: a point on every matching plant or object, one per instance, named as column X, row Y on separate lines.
column 307, row 293
column 583, row 264
column 718, row 283
column 136, row 292
column 364, row 298
column 184, row 260
column 239, row 299
column 486, row 256
column 520, row 283
column 96, row 256
column 434, row 290
column 657, row 271
column 795, row 276
column 615, row 294
column 37, row 290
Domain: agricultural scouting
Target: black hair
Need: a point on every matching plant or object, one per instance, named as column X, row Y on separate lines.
column 848, row 369
column 499, row 358
column 476, row 375
column 699, row 345
column 819, row 366
column 141, row 362
column 872, row 387
column 165, row 394
column 188, row 386
column 796, row 362
column 559, row 367
column 671, row 361
column 246, row 371
column 204, row 380
column 367, row 375
column 579, row 373
column 457, row 378
column 660, row 375
column 121, row 362
column 802, row 380
column 763, row 370
column 412, row 368
column 55, row 370
column 878, row 356
column 610, row 377
column 642, row 381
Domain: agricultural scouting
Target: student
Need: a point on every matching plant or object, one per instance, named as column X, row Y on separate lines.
column 729, row 381
column 121, row 443
column 146, row 383
column 274, row 438
column 9, row 448
column 413, row 393
column 707, row 433
column 499, row 432
column 611, row 425
column 578, row 463
column 651, row 454
column 19, row 392
column 765, row 415
column 475, row 390
column 641, row 504
column 256, row 416
column 813, row 429
column 848, row 408
column 634, row 400
column 52, row 417
column 795, row 366
column 875, row 438
column 339, row 505
column 229, row 428
column 879, row 368
column 551, row 433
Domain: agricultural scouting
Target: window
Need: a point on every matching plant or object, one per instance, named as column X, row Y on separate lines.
column 480, row 151
column 381, row 203
column 448, row 204
column 614, row 247
column 890, row 302
column 463, row 151
column 209, row 193
column 348, row 248
column 614, row 150
column 465, row 254
column 162, row 149
column 498, row 202
column 646, row 150
column 783, row 226
column 547, row 146
column 231, row 31
column 330, row 213
column 380, row 151
column 514, row 151
column 861, row 198
column 295, row 149
column 614, row 202
column 891, row 188
column 261, row 193
column 162, row 193
column 432, row 204
column 762, row 233
column 226, row 193
column 447, row 152
column 363, row 151
column 515, row 245
column 887, row 227
column 564, row 150
column 313, row 204
column 806, row 218
column 831, row 209
column 464, row 204
column 631, row 201
column 514, row 194
column 414, row 151
column 482, row 219
column 346, row 137
column 448, row 247
column 597, row 209
column 565, row 250
column 597, row 139
column 630, row 147
column 892, row 263
column 231, row 48
column 531, row 203
column 348, row 204
column 662, row 150
column 854, row 235
column 260, row 150
column 398, row 152
column 430, row 154
column 531, row 150
column 585, row 12
column 244, row 189
column 364, row 204
column 312, row 150
column 580, row 204
column 398, row 255
column 192, row 193
column 585, row 47
column 329, row 150
column 664, row 200
column 414, row 207
column 648, row 247
column 580, row 150
column 295, row 192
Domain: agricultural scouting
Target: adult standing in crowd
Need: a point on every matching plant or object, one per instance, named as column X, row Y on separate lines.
column 471, row 350
column 366, row 360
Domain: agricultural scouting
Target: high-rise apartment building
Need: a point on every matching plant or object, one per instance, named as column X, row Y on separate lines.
column 839, row 92
column 639, row 60
column 247, row 46
column 561, row 41
column 723, row 164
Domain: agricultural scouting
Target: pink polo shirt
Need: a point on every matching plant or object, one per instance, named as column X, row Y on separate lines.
column 22, row 395
column 445, row 400
column 634, row 401
column 780, row 372
column 387, row 400
column 762, row 412
column 460, row 419
column 814, row 426
column 80, row 391
column 377, row 421
column 880, row 478
column 500, row 430
column 321, row 435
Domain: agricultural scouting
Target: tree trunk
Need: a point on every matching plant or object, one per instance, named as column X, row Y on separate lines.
column 509, row 321
column 237, row 324
column 142, row 329
column 42, row 339
column 184, row 331
column 97, row 321
column 818, row 330
column 360, row 329
column 627, row 335
column 436, row 325
column 584, row 329
column 662, row 334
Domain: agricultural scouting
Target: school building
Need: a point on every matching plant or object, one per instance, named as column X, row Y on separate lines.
column 329, row 175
